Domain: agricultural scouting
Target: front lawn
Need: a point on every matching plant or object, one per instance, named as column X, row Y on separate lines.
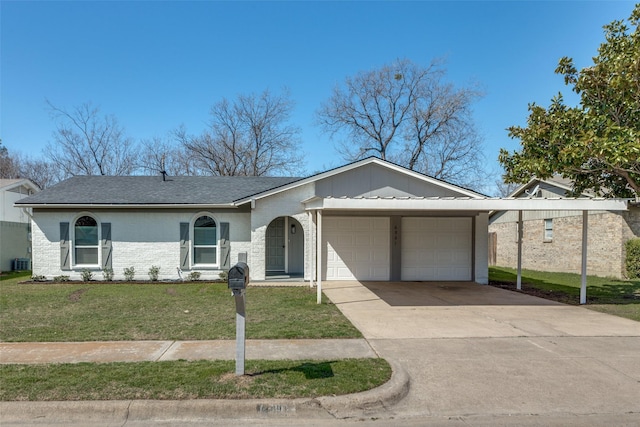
column 617, row 297
column 178, row 380
column 40, row 312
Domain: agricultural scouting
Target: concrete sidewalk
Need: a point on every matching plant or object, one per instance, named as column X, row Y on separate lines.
column 139, row 351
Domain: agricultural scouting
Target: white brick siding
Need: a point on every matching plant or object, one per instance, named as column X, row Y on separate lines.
column 287, row 203
column 140, row 239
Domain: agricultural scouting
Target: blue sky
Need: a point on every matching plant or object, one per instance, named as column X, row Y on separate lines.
column 159, row 65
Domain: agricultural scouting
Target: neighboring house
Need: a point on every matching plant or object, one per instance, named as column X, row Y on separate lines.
column 15, row 227
column 552, row 238
column 368, row 220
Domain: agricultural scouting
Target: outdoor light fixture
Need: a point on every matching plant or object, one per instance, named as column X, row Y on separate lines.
column 293, row 229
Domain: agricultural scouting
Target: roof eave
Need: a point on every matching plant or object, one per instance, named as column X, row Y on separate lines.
column 468, row 204
column 125, row 206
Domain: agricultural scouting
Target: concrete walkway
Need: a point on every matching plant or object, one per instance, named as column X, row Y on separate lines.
column 139, row 351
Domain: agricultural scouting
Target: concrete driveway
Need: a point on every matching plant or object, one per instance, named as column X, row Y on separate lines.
column 474, row 352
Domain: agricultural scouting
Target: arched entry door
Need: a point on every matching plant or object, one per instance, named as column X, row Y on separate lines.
column 284, row 248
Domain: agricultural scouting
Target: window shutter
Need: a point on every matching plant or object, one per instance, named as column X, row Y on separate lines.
column 225, row 246
column 106, row 245
column 184, row 245
column 65, row 247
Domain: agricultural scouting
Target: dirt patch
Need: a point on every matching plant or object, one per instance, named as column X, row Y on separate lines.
column 75, row 296
column 557, row 296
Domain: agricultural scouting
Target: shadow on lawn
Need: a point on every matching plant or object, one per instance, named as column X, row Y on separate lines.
column 311, row 371
column 607, row 291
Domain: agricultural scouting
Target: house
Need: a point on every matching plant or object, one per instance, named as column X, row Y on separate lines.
column 552, row 238
column 15, row 226
column 368, row 220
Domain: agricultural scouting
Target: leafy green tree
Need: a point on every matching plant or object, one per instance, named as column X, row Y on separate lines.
column 596, row 144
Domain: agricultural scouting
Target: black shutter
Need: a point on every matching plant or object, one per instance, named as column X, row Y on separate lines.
column 184, row 245
column 225, row 246
column 106, row 245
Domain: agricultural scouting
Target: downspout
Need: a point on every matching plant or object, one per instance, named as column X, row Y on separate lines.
column 29, row 214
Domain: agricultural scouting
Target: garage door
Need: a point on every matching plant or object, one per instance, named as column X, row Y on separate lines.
column 356, row 248
column 436, row 249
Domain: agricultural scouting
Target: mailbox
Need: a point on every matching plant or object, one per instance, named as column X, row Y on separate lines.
column 238, row 276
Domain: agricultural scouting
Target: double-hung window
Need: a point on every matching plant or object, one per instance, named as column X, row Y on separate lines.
column 85, row 241
column 205, row 241
column 548, row 230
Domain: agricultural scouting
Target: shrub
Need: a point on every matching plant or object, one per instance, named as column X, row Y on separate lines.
column 60, row 278
column 194, row 275
column 154, row 271
column 86, row 275
column 39, row 278
column 632, row 260
column 129, row 274
column 107, row 273
column 223, row 276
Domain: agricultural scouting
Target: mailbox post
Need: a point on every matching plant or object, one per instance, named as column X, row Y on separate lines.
column 237, row 280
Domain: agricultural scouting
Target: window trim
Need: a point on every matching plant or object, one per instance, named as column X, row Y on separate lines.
column 547, row 230
column 193, row 246
column 97, row 246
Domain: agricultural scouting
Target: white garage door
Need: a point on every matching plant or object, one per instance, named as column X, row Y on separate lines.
column 356, row 248
column 436, row 249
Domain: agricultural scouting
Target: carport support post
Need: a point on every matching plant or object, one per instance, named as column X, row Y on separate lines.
column 583, row 282
column 319, row 257
column 520, row 233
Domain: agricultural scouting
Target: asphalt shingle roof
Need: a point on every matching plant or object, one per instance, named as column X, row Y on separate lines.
column 152, row 190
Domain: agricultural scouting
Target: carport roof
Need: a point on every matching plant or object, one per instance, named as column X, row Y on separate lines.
column 480, row 204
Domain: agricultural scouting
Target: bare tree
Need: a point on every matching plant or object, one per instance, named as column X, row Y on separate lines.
column 9, row 165
column 406, row 113
column 250, row 136
column 44, row 174
column 87, row 143
column 505, row 189
column 159, row 155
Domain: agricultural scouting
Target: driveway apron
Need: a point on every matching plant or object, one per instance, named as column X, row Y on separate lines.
column 474, row 350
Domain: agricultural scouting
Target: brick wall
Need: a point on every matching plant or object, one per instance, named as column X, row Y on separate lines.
column 269, row 208
column 605, row 252
column 140, row 239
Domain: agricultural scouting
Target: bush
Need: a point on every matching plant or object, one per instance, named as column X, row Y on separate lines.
column 61, row 278
column 632, row 260
column 129, row 274
column 107, row 273
column 86, row 275
column 193, row 276
column 223, row 276
column 154, row 271
column 39, row 278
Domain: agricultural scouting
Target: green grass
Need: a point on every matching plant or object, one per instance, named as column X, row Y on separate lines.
column 40, row 312
column 613, row 296
column 190, row 380
column 8, row 275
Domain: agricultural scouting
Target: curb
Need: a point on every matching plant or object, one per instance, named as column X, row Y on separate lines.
column 363, row 404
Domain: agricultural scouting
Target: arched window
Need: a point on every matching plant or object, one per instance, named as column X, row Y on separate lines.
column 85, row 241
column 205, row 241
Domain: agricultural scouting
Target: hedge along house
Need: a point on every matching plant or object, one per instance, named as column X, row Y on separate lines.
column 368, row 220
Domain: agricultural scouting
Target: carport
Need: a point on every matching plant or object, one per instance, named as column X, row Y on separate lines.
column 420, row 238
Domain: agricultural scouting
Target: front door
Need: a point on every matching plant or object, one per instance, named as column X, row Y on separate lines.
column 275, row 245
